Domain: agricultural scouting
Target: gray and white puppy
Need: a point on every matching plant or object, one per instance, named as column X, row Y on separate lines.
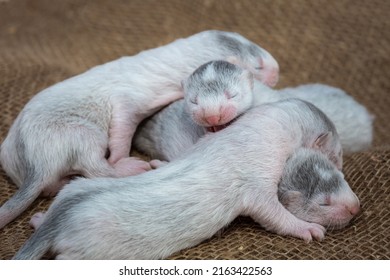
column 68, row 128
column 233, row 172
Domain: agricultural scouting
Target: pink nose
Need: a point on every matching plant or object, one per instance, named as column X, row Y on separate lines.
column 272, row 78
column 354, row 209
column 213, row 120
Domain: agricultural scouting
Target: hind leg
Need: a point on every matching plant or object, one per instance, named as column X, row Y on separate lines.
column 129, row 166
column 53, row 189
column 36, row 220
column 122, row 128
column 91, row 158
column 96, row 165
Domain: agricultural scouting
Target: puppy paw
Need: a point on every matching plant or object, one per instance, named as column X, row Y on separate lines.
column 155, row 163
column 36, row 220
column 310, row 231
column 131, row 166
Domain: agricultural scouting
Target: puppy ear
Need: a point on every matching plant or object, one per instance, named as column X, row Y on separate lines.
column 234, row 60
column 289, row 198
column 323, row 140
column 247, row 76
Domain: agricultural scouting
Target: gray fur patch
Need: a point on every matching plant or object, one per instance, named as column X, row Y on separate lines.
column 230, row 43
column 255, row 50
column 226, row 72
column 200, row 70
column 55, row 219
column 303, row 174
column 221, row 66
column 322, row 116
column 20, row 147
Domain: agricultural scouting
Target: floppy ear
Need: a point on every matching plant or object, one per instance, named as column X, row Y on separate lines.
column 323, row 140
column 247, row 76
column 290, row 197
column 234, row 60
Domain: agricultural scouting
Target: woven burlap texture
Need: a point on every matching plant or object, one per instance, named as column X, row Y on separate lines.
column 338, row 42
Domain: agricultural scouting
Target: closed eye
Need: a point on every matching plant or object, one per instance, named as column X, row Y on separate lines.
column 230, row 95
column 327, row 202
column 259, row 68
column 194, row 100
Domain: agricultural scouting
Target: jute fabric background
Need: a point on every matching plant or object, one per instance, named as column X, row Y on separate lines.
column 343, row 43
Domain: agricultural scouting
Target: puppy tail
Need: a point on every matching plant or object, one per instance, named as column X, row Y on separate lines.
column 19, row 202
column 37, row 246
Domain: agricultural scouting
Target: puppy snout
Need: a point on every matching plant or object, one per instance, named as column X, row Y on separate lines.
column 272, row 78
column 213, row 120
column 354, row 209
column 270, row 69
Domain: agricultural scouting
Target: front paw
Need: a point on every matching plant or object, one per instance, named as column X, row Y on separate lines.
column 309, row 231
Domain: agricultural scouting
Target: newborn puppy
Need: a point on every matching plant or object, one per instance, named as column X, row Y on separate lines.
column 185, row 202
column 84, row 125
column 314, row 191
column 311, row 188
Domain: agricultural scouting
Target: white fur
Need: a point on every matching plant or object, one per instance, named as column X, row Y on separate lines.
column 325, row 174
column 67, row 128
column 155, row 214
column 353, row 122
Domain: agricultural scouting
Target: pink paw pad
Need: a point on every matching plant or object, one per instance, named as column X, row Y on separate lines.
column 131, row 166
column 311, row 231
column 36, row 220
column 155, row 163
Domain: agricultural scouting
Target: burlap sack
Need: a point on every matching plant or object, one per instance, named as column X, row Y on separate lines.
column 342, row 43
